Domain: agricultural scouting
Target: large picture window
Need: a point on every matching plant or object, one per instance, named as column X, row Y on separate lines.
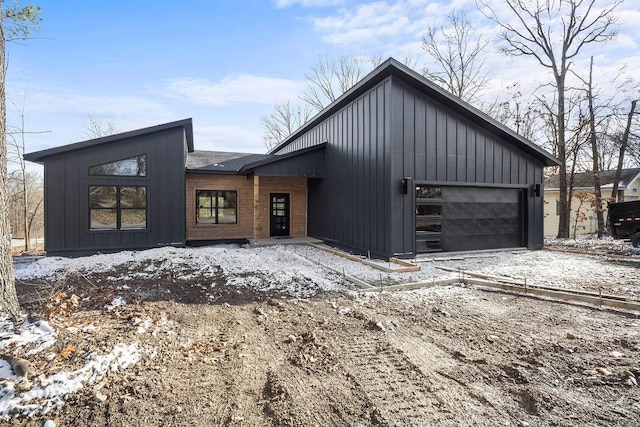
column 113, row 207
column 216, row 207
column 133, row 166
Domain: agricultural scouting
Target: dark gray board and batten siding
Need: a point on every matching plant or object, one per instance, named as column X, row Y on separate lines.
column 351, row 204
column 437, row 146
column 67, row 183
column 393, row 131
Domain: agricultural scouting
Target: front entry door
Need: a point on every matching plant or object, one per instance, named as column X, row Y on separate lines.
column 279, row 214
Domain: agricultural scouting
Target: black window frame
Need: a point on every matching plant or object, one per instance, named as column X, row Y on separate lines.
column 140, row 174
column 119, row 208
column 214, row 207
column 430, row 238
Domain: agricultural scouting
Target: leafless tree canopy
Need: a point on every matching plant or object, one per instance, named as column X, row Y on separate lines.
column 331, row 77
column 458, row 57
column 97, row 126
column 285, row 118
column 554, row 32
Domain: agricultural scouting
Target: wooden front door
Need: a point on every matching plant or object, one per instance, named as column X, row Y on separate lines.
column 279, row 214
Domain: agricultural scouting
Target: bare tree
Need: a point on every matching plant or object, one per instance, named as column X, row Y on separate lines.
column 459, row 57
column 15, row 23
column 97, row 126
column 283, row 120
column 624, row 141
column 515, row 112
column 331, row 77
column 16, row 148
column 554, row 33
column 593, row 139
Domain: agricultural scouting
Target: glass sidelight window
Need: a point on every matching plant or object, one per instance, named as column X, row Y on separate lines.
column 428, row 218
column 216, row 207
column 113, row 207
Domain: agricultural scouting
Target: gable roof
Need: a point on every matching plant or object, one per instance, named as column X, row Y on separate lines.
column 585, row 179
column 39, row 156
column 391, row 67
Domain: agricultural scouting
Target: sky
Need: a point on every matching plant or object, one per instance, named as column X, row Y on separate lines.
column 226, row 63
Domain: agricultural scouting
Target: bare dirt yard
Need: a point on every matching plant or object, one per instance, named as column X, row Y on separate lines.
column 233, row 336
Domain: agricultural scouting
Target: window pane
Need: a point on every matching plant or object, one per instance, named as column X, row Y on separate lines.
column 102, row 196
column 231, row 198
column 133, row 166
column 133, row 218
column 429, row 210
column 103, row 219
column 427, row 225
column 226, row 216
column 206, row 216
column 204, row 198
column 428, row 192
column 133, row 197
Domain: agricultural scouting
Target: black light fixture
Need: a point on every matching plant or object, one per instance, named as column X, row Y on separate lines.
column 406, row 185
column 535, row 188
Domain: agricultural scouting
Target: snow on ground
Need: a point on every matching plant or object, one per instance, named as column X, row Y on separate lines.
column 48, row 392
column 286, row 269
column 590, row 243
column 265, row 268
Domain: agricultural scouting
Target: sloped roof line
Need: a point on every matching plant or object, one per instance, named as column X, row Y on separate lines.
column 392, row 67
column 585, row 179
column 187, row 124
column 214, row 162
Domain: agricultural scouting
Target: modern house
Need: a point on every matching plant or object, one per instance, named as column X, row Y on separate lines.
column 396, row 166
column 583, row 219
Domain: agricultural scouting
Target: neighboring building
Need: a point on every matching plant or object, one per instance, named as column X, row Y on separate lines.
column 583, row 218
column 396, row 166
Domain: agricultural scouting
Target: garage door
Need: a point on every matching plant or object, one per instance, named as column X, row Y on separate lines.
column 465, row 218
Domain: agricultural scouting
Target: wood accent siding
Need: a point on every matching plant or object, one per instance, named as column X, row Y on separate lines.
column 250, row 211
column 297, row 190
column 244, row 227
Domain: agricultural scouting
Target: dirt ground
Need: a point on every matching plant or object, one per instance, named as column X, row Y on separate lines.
column 443, row 356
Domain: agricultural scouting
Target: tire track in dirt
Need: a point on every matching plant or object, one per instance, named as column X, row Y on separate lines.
column 401, row 393
column 236, row 356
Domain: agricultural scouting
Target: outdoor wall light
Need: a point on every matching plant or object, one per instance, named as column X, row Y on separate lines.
column 535, row 189
column 406, row 184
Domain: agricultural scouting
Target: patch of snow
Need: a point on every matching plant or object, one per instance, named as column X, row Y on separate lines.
column 49, row 393
column 36, row 336
column 117, row 302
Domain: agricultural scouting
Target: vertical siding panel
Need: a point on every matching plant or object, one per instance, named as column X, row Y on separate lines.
column 441, row 145
column 420, row 158
column 431, row 142
column 472, row 135
column 452, row 148
column 489, row 160
column 461, row 151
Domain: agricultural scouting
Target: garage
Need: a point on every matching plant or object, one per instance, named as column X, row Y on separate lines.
column 469, row 218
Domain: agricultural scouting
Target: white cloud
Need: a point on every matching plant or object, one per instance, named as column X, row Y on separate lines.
column 382, row 23
column 228, row 138
column 242, row 89
column 307, row 3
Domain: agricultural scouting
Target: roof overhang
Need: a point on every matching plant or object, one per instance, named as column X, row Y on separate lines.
column 186, row 124
column 391, row 67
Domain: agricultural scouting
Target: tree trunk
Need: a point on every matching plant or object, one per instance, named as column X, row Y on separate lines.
column 563, row 223
column 623, row 148
column 8, row 298
column 596, row 160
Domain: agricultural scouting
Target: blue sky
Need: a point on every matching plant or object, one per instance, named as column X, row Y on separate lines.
column 224, row 62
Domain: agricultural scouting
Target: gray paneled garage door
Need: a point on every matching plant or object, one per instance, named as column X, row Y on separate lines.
column 481, row 218
column 470, row 218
